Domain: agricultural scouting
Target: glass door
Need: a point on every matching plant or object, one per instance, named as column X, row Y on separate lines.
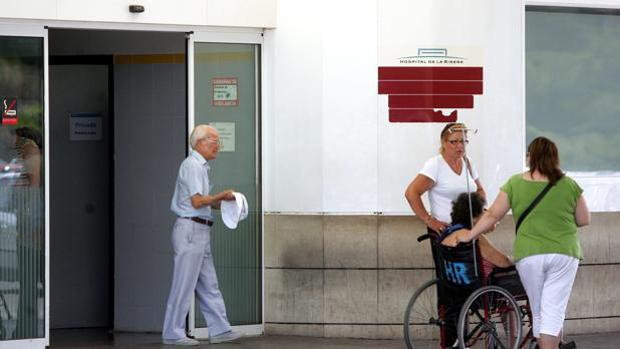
column 224, row 92
column 24, row 232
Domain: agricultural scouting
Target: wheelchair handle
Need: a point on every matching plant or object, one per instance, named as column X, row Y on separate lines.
column 424, row 237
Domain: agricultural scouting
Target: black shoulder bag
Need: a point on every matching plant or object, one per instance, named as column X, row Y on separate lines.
column 532, row 205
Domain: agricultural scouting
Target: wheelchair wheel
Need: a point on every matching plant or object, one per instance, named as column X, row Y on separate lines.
column 421, row 327
column 491, row 319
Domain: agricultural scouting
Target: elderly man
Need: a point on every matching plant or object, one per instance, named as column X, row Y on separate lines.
column 193, row 263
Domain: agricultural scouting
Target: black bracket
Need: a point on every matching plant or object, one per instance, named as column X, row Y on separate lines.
column 136, row 8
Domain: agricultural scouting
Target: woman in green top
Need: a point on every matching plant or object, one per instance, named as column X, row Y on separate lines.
column 546, row 250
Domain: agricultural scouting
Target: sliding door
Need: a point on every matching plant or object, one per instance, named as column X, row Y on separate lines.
column 226, row 94
column 23, row 188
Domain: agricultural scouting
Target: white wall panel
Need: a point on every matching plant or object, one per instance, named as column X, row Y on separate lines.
column 242, row 13
column 502, row 124
column 484, row 27
column 160, row 12
column 349, row 106
column 226, row 13
column 323, row 90
column 293, row 120
column 28, row 9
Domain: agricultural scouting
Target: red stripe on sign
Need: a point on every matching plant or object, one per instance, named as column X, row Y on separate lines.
column 10, row 107
column 9, row 121
column 421, row 115
column 430, row 101
column 430, row 87
column 430, row 73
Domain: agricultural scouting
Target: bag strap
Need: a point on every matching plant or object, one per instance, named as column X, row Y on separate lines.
column 532, row 205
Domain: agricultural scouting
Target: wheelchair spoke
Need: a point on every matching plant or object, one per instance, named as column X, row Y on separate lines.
column 421, row 323
column 497, row 340
column 490, row 319
column 479, row 316
column 474, row 334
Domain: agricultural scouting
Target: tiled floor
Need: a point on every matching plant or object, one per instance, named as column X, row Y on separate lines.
column 92, row 339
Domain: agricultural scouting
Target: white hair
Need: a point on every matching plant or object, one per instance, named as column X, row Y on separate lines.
column 201, row 132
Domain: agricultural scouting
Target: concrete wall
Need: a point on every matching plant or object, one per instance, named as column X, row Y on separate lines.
column 352, row 276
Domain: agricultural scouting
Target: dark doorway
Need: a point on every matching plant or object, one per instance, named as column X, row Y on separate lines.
column 81, row 182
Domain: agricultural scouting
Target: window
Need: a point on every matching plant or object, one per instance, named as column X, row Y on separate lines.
column 573, row 85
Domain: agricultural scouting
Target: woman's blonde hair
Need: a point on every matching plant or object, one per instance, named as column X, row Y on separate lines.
column 447, row 131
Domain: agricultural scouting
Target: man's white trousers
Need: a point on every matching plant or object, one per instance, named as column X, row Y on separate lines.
column 193, row 271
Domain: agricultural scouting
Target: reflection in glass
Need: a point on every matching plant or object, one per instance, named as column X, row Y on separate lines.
column 22, row 238
column 572, row 90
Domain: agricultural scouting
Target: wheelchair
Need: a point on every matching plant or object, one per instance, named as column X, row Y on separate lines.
column 461, row 303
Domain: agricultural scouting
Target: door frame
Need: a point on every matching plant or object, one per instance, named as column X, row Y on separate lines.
column 255, row 37
column 37, row 30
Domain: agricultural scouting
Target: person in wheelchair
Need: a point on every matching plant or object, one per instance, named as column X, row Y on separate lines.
column 456, row 270
column 491, row 256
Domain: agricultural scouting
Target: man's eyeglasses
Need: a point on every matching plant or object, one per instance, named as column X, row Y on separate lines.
column 458, row 141
column 218, row 142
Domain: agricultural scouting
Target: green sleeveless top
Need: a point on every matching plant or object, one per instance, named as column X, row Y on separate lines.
column 550, row 227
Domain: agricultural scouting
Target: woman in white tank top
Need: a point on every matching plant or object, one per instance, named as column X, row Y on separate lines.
column 444, row 177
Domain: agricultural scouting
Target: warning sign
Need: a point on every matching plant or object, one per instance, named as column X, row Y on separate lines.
column 8, row 110
column 225, row 92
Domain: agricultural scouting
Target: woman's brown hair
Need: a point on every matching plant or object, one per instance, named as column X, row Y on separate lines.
column 544, row 158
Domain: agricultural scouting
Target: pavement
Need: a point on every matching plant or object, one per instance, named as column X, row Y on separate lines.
column 94, row 338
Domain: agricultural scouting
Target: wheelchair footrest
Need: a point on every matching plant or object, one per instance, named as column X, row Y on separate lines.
column 569, row 345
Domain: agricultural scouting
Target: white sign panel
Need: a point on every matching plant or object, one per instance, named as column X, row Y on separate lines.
column 336, row 111
column 429, row 75
column 227, row 135
column 85, row 127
